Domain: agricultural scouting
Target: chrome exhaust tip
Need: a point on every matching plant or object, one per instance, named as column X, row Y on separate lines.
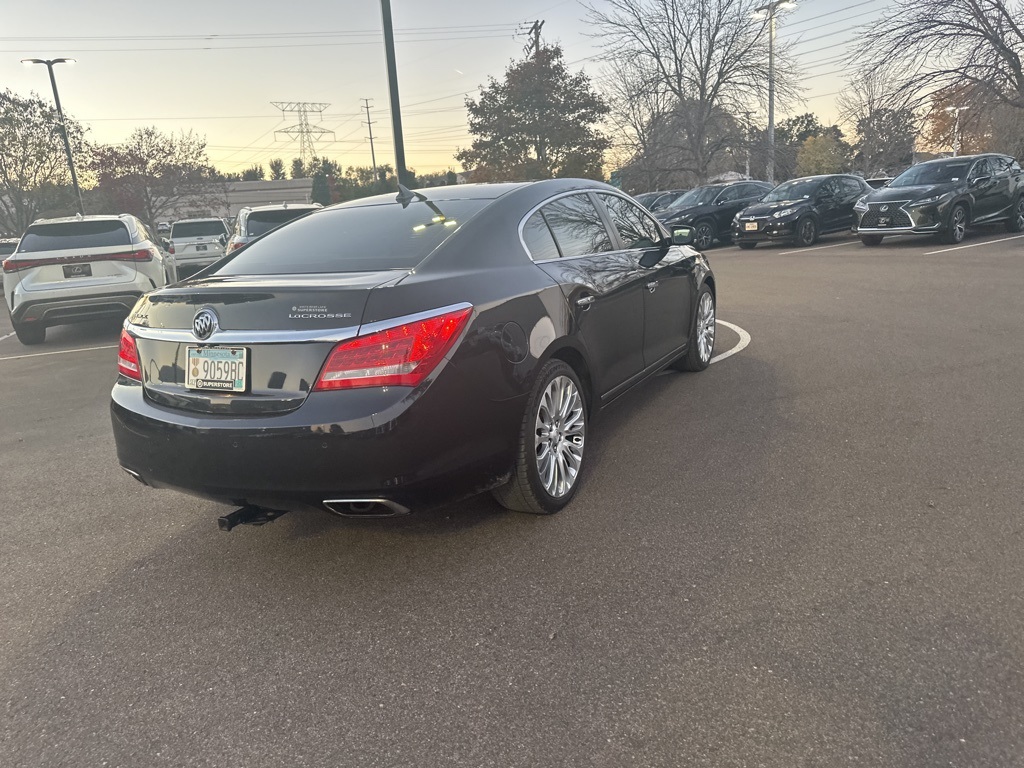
column 364, row 508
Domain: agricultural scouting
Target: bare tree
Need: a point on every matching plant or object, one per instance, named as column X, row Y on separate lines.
column 879, row 112
column 938, row 44
column 710, row 55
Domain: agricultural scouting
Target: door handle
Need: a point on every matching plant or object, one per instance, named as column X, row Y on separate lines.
column 652, row 286
column 585, row 302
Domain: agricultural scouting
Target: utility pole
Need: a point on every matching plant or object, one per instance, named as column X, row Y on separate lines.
column 747, row 130
column 956, row 129
column 534, row 31
column 534, row 47
column 396, row 105
column 772, row 9
column 369, row 125
column 63, row 126
column 306, row 133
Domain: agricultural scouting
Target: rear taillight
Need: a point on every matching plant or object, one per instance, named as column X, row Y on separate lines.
column 170, row 248
column 401, row 356
column 128, row 357
column 234, row 247
column 143, row 254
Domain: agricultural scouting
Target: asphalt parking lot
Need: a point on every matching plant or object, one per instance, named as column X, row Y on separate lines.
column 808, row 555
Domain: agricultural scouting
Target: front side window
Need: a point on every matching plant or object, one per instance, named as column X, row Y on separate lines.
column 577, row 226
column 981, row 168
column 636, row 229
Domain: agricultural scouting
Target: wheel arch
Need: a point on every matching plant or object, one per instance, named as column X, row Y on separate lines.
column 575, row 358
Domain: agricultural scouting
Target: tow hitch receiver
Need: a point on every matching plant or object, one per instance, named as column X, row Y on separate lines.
column 248, row 516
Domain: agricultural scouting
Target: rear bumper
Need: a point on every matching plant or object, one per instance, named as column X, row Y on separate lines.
column 63, row 311
column 445, row 443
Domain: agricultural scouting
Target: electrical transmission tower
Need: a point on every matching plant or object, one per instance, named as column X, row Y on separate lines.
column 303, row 131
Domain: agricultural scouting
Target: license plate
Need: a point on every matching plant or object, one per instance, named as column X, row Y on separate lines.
column 77, row 270
column 750, row 226
column 216, row 368
column 200, row 247
column 883, row 221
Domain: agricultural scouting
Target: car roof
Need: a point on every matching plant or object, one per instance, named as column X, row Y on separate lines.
column 205, row 218
column 90, row 217
column 978, row 156
column 280, row 207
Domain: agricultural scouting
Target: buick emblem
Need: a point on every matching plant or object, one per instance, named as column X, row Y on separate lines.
column 204, row 323
column 884, row 208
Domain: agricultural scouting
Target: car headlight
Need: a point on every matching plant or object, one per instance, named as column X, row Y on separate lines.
column 783, row 213
column 861, row 205
column 927, row 200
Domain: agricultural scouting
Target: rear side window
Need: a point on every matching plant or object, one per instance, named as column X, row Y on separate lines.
column 577, row 226
column 74, row 234
column 197, row 229
column 538, row 238
column 261, row 222
column 362, row 239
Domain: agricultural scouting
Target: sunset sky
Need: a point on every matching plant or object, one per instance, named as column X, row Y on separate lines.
column 215, row 67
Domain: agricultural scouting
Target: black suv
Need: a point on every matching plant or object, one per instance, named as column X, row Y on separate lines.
column 799, row 210
column 944, row 197
column 710, row 209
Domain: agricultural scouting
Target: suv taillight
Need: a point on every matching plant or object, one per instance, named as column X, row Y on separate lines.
column 128, row 357
column 170, row 248
column 401, row 356
column 142, row 254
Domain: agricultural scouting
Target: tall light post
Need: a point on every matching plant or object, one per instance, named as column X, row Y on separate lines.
column 396, row 107
column 63, row 126
column 956, row 129
column 771, row 10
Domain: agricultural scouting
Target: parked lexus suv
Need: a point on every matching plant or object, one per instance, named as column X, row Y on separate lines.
column 197, row 243
column 255, row 221
column 710, row 209
column 944, row 197
column 80, row 268
column 800, row 210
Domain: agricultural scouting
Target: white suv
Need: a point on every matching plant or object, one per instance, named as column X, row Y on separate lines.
column 197, row 243
column 80, row 268
column 255, row 221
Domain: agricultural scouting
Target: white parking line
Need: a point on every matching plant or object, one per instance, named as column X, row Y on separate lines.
column 58, row 352
column 819, row 248
column 7, row 336
column 974, row 245
column 744, row 341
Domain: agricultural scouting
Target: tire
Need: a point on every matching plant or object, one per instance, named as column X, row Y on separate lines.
column 31, row 334
column 545, row 480
column 956, row 227
column 1016, row 221
column 704, row 234
column 702, row 335
column 806, row 231
column 747, row 246
column 871, row 239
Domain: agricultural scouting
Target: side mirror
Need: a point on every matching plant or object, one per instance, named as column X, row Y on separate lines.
column 165, row 243
column 223, row 239
column 682, row 235
column 978, row 180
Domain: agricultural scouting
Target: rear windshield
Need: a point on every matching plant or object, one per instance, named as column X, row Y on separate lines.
column 261, row 222
column 74, row 234
column 363, row 239
column 197, row 229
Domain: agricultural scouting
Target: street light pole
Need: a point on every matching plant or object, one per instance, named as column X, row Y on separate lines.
column 63, row 126
column 771, row 9
column 956, row 129
column 396, row 107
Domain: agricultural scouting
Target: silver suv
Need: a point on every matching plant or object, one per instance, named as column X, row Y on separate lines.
column 80, row 268
column 197, row 243
column 255, row 221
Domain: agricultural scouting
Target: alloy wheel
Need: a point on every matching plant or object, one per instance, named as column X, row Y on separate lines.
column 704, row 236
column 807, row 231
column 1020, row 215
column 959, row 224
column 560, row 435
column 706, row 327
